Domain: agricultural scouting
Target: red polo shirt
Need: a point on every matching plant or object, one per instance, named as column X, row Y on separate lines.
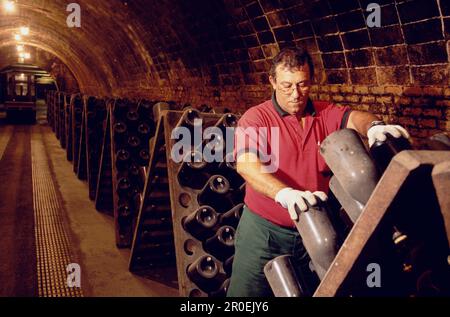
column 299, row 163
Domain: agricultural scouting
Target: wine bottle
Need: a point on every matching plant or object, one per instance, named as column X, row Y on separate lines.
column 215, row 194
column 145, row 110
column 123, row 186
column 132, row 119
column 383, row 151
column 227, row 168
column 223, row 289
column 204, row 272
column 144, row 131
column 193, row 172
column 221, row 245
column 120, row 107
column 231, row 217
column 144, row 158
column 136, row 175
column 122, row 159
column 201, row 222
column 134, row 143
column 228, row 265
column 120, row 132
column 318, row 236
column 191, row 119
column 124, row 209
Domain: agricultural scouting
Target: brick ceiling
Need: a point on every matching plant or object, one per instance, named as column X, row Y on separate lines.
column 147, row 43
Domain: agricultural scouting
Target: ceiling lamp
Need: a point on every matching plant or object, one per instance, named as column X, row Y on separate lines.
column 24, row 30
column 9, row 6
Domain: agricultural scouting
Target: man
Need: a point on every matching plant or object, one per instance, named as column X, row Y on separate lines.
column 266, row 229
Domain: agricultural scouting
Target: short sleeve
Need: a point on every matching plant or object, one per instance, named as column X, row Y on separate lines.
column 246, row 134
column 335, row 117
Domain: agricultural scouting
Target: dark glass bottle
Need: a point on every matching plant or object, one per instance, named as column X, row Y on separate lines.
column 200, row 223
column 123, row 186
column 134, row 144
column 206, row 108
column 132, row 119
column 122, row 159
column 223, row 289
column 144, row 131
column 120, row 107
column 144, row 158
column 221, row 245
column 78, row 113
column 193, row 172
column 120, row 132
column 228, row 120
column 227, row 168
column 215, row 194
column 239, row 194
column 124, row 209
column 188, row 120
column 136, row 175
column 145, row 110
column 383, row 151
column 136, row 198
column 228, row 265
column 204, row 272
column 318, row 236
column 232, row 216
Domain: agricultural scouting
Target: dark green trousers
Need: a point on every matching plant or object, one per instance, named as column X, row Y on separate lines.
column 257, row 242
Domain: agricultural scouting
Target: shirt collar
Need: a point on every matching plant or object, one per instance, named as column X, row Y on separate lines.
column 309, row 107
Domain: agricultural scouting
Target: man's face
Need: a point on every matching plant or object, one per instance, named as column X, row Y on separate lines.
column 292, row 88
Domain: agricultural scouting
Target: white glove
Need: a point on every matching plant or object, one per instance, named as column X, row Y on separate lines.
column 289, row 198
column 378, row 132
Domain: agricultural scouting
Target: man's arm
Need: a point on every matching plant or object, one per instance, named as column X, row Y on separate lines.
column 360, row 121
column 251, row 169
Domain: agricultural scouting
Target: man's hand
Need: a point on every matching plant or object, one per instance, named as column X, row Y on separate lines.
column 289, row 198
column 378, row 133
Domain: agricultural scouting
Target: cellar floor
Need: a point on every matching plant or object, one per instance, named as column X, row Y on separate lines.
column 48, row 222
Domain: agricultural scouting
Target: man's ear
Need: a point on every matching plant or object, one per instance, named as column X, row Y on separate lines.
column 273, row 82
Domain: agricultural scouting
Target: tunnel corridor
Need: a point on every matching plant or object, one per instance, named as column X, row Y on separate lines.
column 92, row 204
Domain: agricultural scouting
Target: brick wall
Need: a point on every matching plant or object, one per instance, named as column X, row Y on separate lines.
column 399, row 71
column 218, row 51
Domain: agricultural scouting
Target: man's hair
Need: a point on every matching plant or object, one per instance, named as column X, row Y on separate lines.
column 292, row 58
